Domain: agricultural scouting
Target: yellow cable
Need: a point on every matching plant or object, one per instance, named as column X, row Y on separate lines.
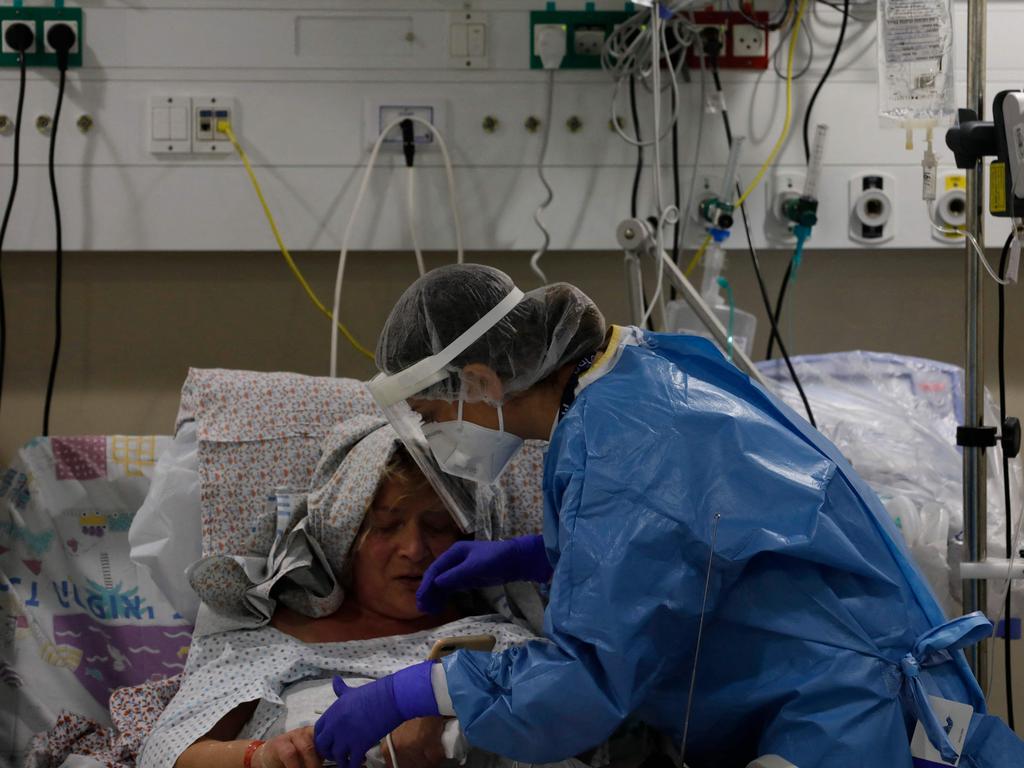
column 698, row 256
column 225, row 127
column 789, row 108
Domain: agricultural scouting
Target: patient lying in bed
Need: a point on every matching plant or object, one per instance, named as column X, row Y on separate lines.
column 272, row 683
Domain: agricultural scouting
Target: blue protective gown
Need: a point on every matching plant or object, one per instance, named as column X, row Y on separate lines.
column 814, row 610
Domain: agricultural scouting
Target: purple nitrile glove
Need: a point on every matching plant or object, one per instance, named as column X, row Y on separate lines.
column 475, row 564
column 362, row 716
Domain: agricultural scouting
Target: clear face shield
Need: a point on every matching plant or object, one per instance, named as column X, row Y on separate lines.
column 392, row 393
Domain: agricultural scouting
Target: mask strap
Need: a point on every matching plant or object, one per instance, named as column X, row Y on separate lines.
column 460, row 408
column 501, row 420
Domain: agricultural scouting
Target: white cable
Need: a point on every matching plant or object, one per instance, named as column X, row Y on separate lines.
column 410, row 212
column 666, row 215
column 550, row 193
column 343, row 254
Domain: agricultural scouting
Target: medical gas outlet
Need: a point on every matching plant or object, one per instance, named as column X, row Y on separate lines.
column 872, row 211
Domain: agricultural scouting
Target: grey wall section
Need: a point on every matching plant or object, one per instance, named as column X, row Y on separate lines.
column 133, row 324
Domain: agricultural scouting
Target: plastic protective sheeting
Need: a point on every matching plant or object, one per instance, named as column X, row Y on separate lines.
column 895, row 418
column 818, row 636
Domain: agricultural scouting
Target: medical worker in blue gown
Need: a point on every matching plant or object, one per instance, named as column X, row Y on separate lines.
column 821, row 641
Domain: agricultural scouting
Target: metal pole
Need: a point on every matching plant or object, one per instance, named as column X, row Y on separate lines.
column 975, row 507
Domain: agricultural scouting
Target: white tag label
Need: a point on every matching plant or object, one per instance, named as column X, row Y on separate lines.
column 955, row 719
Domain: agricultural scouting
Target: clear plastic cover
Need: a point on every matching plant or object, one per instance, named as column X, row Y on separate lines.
column 895, row 420
column 456, row 494
column 915, row 63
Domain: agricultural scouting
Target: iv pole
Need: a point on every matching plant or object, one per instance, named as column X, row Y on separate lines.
column 974, row 475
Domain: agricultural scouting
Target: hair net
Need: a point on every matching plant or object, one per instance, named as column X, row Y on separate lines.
column 549, row 327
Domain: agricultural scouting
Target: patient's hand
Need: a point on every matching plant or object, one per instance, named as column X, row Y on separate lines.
column 417, row 743
column 294, row 749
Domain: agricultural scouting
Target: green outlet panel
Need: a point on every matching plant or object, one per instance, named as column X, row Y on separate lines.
column 572, row 21
column 37, row 17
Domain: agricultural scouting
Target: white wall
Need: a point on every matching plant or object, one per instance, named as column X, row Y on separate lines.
column 301, row 114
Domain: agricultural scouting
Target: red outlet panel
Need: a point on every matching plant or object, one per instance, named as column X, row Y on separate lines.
column 727, row 20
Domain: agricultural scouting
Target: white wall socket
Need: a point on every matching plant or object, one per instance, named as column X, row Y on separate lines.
column 748, row 40
column 47, row 25
column 3, row 35
column 381, row 112
column 872, row 208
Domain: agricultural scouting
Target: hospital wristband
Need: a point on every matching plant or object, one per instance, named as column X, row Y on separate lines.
column 250, row 752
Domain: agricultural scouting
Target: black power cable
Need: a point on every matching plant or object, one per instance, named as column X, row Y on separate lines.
column 1001, row 354
column 639, row 147
column 19, row 37
column 62, row 39
column 757, row 262
column 807, row 157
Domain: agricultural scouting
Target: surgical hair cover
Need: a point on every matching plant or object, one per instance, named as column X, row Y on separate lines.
column 548, row 328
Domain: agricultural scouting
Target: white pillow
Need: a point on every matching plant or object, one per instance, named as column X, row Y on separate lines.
column 166, row 534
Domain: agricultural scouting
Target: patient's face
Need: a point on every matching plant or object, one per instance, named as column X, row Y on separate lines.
column 404, row 535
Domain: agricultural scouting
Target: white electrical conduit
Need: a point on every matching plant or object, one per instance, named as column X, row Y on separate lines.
column 539, row 253
column 410, row 212
column 355, row 212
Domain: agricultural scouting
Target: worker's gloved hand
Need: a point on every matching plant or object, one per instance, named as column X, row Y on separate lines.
column 475, row 564
column 362, row 716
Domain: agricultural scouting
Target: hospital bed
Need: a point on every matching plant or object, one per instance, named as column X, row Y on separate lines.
column 80, row 617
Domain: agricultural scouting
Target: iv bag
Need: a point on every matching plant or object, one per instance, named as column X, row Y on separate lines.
column 915, row 63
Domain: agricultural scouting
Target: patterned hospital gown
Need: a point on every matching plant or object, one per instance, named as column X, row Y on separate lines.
column 229, row 668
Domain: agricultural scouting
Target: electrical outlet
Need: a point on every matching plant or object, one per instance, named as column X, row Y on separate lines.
column 41, row 19
column 5, row 48
column 380, row 113
column 48, row 25
column 748, row 40
column 872, row 208
column 588, row 41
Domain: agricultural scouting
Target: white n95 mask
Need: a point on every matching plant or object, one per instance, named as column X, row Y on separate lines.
column 472, row 452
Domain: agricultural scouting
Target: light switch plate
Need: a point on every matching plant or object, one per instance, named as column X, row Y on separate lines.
column 468, row 40
column 154, row 124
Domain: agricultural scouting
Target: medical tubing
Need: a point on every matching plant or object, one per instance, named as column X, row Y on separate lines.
column 549, row 192
column 665, row 214
column 691, row 195
column 824, row 78
column 676, row 195
column 723, row 283
column 768, row 309
column 410, row 211
column 1007, row 503
column 700, row 636
column 7, row 213
column 343, row 253
column 974, row 246
column 770, row 160
column 58, row 231
column 225, row 127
